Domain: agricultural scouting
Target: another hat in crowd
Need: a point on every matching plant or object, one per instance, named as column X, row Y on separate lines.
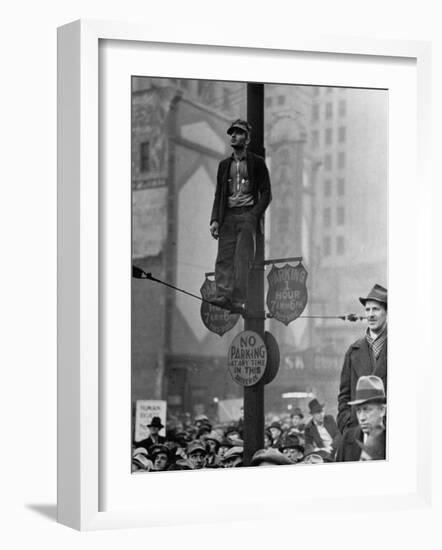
column 297, row 412
column 378, row 294
column 141, row 461
column 158, row 448
column 292, row 442
column 313, row 458
column 204, row 429
column 194, row 446
column 234, row 452
column 268, row 433
column 226, row 442
column 213, row 436
column 270, row 455
column 368, row 389
column 201, row 418
column 155, row 423
column 374, row 446
column 315, row 407
column 241, row 125
column 276, row 425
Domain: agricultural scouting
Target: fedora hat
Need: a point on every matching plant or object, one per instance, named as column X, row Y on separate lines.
column 270, row 455
column 369, row 388
column 315, row 407
column 378, row 294
column 155, row 423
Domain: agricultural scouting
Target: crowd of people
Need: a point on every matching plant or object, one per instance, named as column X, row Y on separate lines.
column 357, row 434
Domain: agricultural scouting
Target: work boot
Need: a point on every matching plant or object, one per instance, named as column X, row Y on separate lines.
column 221, row 301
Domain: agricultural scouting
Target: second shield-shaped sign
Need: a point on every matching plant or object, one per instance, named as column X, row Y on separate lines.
column 216, row 319
column 287, row 293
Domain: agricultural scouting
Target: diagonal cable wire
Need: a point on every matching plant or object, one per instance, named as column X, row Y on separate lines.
column 138, row 273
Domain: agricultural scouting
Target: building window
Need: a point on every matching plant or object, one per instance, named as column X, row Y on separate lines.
column 327, row 188
column 342, row 107
column 281, row 100
column 328, row 162
column 341, row 160
column 328, row 136
column 327, row 217
column 315, row 112
column 144, row 157
column 315, row 139
column 327, row 246
column 340, row 245
column 341, row 187
column 342, row 134
column 340, row 215
column 268, row 101
column 328, row 110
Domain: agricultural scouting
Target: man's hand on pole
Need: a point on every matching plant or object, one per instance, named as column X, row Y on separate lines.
column 214, row 229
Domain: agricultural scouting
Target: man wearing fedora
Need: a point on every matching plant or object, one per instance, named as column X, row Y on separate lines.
column 321, row 432
column 366, row 441
column 154, row 438
column 242, row 195
column 366, row 356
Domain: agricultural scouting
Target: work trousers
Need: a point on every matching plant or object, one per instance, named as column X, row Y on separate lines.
column 236, row 249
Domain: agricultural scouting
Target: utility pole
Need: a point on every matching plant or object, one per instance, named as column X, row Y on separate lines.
column 255, row 313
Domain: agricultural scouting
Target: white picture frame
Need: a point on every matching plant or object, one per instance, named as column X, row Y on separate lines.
column 83, row 298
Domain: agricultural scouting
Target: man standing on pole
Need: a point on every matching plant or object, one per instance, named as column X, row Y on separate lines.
column 242, row 195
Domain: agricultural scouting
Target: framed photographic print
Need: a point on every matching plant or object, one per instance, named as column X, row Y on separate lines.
column 232, row 218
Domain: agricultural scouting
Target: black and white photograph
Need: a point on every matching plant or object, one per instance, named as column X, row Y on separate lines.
column 259, row 274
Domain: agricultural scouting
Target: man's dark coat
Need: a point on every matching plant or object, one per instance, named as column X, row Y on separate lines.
column 358, row 362
column 149, row 441
column 349, row 450
column 312, row 437
column 259, row 179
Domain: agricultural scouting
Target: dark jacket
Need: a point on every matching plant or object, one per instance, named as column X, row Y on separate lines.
column 348, row 449
column 259, row 179
column 148, row 442
column 313, row 439
column 358, row 362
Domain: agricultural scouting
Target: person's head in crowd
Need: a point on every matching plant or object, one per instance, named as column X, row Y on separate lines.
column 212, row 441
column 292, row 449
column 196, row 453
column 199, row 420
column 225, row 445
column 275, row 430
column 313, row 458
column 370, row 403
column 203, row 431
column 296, row 418
column 155, row 425
column 233, row 457
column 317, row 411
column 160, row 457
column 270, row 457
column 268, row 439
column 375, row 305
column 140, row 460
column 232, row 433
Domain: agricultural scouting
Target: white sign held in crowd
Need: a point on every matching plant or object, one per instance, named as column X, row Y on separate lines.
column 144, row 412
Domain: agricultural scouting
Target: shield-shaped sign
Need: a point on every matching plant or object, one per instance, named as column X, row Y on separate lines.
column 287, row 293
column 216, row 319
